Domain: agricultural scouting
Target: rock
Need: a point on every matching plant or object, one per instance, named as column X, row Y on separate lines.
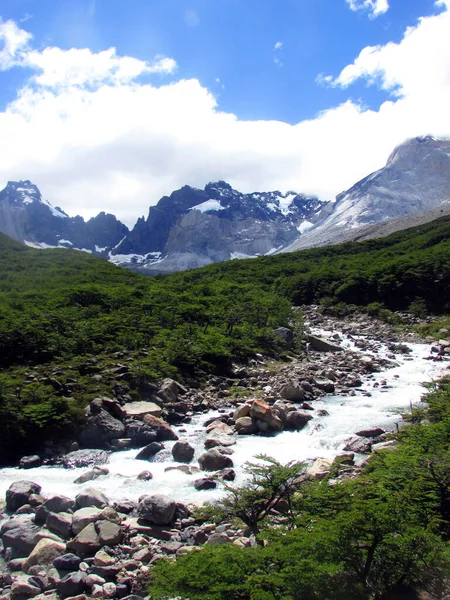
column 157, row 509
column 186, row 469
column 145, row 476
column 44, row 553
column 103, row 559
column 140, row 434
column 205, row 484
column 85, row 458
column 217, row 539
column 297, row 419
column 149, row 451
column 58, row 504
column 245, row 426
column 140, row 409
column 163, row 430
column 100, row 429
column 82, row 517
column 285, row 335
column 110, row 534
column 25, row 587
column 125, row 506
column 19, row 493
column 390, row 445
column 95, row 473
column 109, row 590
column 87, row 542
column 226, row 475
column 20, row 536
column 241, row 411
column 217, row 426
column 370, row 433
column 214, row 460
column 169, row 390
column 261, row 411
column 358, row 444
column 182, row 452
column 72, row 584
column 218, row 438
column 91, row 497
column 325, row 384
column 292, row 393
column 321, row 345
column 67, row 562
column 30, row 462
column 319, row 468
column 60, row 523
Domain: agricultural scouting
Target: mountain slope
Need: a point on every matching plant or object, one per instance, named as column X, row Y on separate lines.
column 416, row 179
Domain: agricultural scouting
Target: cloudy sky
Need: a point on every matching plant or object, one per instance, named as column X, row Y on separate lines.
column 109, row 105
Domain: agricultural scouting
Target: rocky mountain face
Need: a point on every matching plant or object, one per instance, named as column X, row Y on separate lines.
column 25, row 216
column 193, row 227
column 415, row 180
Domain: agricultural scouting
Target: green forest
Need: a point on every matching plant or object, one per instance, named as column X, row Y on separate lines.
column 60, row 307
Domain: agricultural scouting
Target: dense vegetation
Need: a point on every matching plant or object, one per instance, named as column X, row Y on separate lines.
column 383, row 536
column 60, row 307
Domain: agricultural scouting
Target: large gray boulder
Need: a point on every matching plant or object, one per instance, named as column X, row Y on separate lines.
column 297, row 419
column 85, row 458
column 20, row 536
column 83, row 517
column 44, row 553
column 100, row 429
column 214, row 460
column 85, row 543
column 19, row 493
column 139, row 409
column 285, row 335
column 321, row 345
column 60, row 523
column 149, row 451
column 91, row 497
column 218, row 438
column 157, row 509
column 183, row 452
column 292, row 393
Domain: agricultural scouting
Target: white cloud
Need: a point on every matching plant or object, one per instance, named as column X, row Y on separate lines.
column 278, row 46
column 94, row 138
column 374, row 7
column 14, row 42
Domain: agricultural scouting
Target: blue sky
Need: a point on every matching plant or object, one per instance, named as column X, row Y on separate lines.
column 259, row 92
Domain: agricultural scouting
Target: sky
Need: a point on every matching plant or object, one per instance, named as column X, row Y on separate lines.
column 108, row 105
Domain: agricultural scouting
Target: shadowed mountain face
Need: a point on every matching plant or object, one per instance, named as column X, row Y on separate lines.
column 25, row 216
column 416, row 179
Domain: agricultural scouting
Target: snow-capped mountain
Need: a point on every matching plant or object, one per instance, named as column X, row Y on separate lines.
column 416, row 179
column 193, row 227
column 27, row 217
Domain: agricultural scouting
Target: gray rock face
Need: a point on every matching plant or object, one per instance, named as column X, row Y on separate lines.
column 157, row 509
column 19, row 493
column 101, row 429
column 416, row 179
column 85, row 458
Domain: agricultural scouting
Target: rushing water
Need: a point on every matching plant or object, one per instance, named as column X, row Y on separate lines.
column 323, row 437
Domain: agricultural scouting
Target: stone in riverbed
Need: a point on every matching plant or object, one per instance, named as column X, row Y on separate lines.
column 370, row 433
column 86, row 543
column 145, row 476
column 163, row 430
column 297, row 419
column 214, row 460
column 19, row 493
column 205, row 484
column 110, row 534
column 157, row 509
column 218, row 438
column 139, row 409
column 25, row 587
column 60, row 523
column 183, row 452
column 44, row 553
column 72, row 584
column 292, row 393
column 321, row 345
column 20, row 536
column 82, row 517
column 358, row 444
column 149, row 451
column 85, row 458
column 245, row 426
column 241, row 411
column 95, row 473
column 67, row 562
column 261, row 411
column 30, row 462
column 91, row 497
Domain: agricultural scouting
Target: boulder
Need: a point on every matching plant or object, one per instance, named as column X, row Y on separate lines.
column 244, row 426
column 86, row 543
column 183, row 452
column 109, row 534
column 163, row 430
column 326, row 385
column 169, row 390
column 292, row 393
column 58, row 504
column 219, row 438
column 140, row 434
column 261, row 411
column 358, row 444
column 83, row 517
column 100, row 429
column 60, row 523
column 85, row 458
column 297, row 419
column 94, row 473
column 67, row 562
column 43, row 554
column 140, row 409
column 319, row 468
column 91, row 497
column 321, row 345
column 72, row 584
column 19, row 493
column 285, row 335
column 145, row 476
column 20, row 536
column 219, row 425
column 25, row 587
column 205, row 484
column 30, row 462
column 370, row 433
column 157, row 509
column 214, row 460
column 241, row 411
column 149, row 451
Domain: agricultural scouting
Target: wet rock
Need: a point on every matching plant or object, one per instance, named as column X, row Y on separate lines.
column 140, row 434
column 245, row 426
column 86, row 543
column 205, row 484
column 225, row 475
column 85, row 458
column 30, row 462
column 60, row 523
column 149, row 451
column 297, row 419
column 145, row 476
column 44, row 553
column 261, row 411
column 292, row 393
column 219, row 426
column 82, row 517
column 370, row 433
column 163, row 430
column 125, row 506
column 218, row 438
column 91, row 497
column 186, row 469
column 183, row 452
column 95, row 473
column 110, row 534
column 214, row 460
column 19, row 493
column 20, row 536
column 67, row 562
column 72, row 584
column 241, row 411
column 157, row 509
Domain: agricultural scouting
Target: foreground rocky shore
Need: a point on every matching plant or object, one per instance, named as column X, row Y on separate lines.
column 92, row 545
